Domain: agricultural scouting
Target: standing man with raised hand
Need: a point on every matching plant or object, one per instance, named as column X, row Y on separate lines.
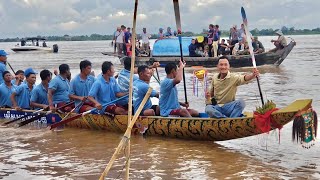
column 59, row 89
column 6, row 90
column 3, row 60
column 23, row 92
column 223, row 89
column 145, row 40
column 81, row 85
column 39, row 96
column 169, row 103
column 105, row 89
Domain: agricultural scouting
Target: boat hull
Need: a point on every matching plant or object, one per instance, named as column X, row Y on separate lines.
column 204, row 129
column 31, row 49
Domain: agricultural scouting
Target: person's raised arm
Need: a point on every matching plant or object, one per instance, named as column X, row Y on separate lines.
column 179, row 76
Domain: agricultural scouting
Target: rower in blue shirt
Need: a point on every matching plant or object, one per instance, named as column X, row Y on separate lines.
column 39, row 95
column 59, row 89
column 3, row 59
column 105, row 90
column 6, row 90
column 81, row 85
column 19, row 78
column 140, row 89
column 21, row 95
column 169, row 104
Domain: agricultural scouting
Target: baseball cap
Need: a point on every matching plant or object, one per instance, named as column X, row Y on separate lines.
column 3, row 53
column 29, row 71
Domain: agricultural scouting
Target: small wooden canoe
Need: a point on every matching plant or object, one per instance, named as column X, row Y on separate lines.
column 236, row 61
column 205, row 129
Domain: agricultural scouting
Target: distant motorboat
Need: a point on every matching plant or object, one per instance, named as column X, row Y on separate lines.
column 32, row 44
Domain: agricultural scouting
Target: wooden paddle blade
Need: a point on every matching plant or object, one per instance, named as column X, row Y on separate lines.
column 65, row 121
column 177, row 15
column 23, row 123
column 14, row 120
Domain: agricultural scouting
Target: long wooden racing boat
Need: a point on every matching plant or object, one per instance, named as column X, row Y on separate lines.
column 236, row 61
column 207, row 129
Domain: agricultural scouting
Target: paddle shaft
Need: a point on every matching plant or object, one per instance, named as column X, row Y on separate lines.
column 14, row 120
column 178, row 23
column 245, row 23
column 11, row 68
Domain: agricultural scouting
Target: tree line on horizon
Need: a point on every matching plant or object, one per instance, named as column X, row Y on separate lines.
column 224, row 33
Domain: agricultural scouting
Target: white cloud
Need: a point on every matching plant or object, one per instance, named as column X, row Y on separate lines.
column 69, row 25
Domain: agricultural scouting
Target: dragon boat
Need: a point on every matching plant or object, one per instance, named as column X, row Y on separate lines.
column 205, row 129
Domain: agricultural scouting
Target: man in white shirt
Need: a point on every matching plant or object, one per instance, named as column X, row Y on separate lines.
column 145, row 40
column 120, row 40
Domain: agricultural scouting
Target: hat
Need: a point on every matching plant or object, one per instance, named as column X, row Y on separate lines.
column 29, row 71
column 3, row 53
column 160, row 29
column 279, row 32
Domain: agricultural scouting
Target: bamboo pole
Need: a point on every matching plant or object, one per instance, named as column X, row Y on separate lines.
column 126, row 135
column 133, row 57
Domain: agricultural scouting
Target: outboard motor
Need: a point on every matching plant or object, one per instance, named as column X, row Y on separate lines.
column 55, row 48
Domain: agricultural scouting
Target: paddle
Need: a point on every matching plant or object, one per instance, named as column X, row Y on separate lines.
column 245, row 23
column 178, row 23
column 11, row 67
column 62, row 122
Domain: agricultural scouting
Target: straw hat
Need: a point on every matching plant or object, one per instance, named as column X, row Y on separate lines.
column 279, row 32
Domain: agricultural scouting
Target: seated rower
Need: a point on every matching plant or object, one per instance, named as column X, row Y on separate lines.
column 169, row 103
column 59, row 89
column 80, row 87
column 39, row 96
column 105, row 89
column 280, row 43
column 6, row 90
column 20, row 97
column 220, row 100
column 140, row 89
column 19, row 78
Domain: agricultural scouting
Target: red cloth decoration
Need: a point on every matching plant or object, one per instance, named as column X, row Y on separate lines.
column 264, row 122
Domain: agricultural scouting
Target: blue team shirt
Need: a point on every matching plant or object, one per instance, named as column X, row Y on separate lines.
column 81, row 87
column 39, row 95
column 140, row 89
column 104, row 92
column 5, row 93
column 23, row 95
column 123, row 81
column 127, row 36
column 2, row 69
column 168, row 97
column 61, row 89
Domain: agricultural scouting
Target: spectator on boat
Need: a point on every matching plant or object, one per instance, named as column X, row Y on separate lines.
column 210, row 37
column 238, row 48
column 160, row 34
column 257, row 46
column 221, row 98
column 234, row 36
column 37, row 43
column 124, row 46
column 80, row 87
column 281, row 42
column 39, row 95
column 145, row 40
column 223, row 48
column 120, row 40
column 114, row 44
column 19, row 78
column 169, row 102
column 241, row 34
column 20, row 97
column 216, row 40
column 168, row 33
column 44, row 44
column 23, row 42
column 3, row 61
column 59, row 89
column 140, row 89
column 127, row 35
column 193, row 48
column 6, row 90
column 106, row 89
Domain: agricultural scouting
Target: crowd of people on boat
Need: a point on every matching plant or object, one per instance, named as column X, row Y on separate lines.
column 103, row 92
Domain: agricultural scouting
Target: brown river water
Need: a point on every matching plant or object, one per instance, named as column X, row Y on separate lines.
column 37, row 153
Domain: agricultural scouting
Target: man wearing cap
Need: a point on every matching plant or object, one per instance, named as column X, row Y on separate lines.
column 80, row 87
column 281, row 42
column 21, row 95
column 6, row 90
column 59, row 89
column 39, row 96
column 3, row 59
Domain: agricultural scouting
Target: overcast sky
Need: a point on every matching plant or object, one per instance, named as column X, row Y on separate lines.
column 20, row 18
